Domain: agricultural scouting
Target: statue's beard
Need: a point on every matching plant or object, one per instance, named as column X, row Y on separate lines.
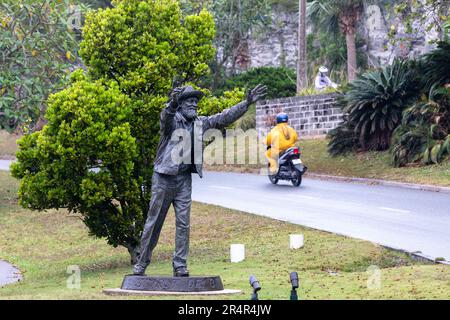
column 189, row 113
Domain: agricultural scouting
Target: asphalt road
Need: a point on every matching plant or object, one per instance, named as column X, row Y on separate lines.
column 4, row 165
column 406, row 219
column 8, row 274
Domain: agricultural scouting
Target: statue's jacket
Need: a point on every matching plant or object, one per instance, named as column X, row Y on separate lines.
column 174, row 129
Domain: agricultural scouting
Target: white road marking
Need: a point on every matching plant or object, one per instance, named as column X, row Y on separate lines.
column 394, row 210
column 222, row 187
column 308, row 197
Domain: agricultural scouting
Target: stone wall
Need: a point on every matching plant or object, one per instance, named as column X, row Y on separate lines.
column 276, row 45
column 309, row 116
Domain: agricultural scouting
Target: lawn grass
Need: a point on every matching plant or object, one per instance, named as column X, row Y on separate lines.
column 44, row 244
column 373, row 165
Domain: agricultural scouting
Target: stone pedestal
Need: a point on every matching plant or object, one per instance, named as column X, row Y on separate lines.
column 172, row 284
column 161, row 285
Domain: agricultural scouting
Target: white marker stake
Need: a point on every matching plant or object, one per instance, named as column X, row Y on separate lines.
column 296, row 241
column 237, row 253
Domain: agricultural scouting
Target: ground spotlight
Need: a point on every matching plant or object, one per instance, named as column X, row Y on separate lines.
column 294, row 282
column 256, row 287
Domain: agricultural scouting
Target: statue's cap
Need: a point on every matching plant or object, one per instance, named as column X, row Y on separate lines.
column 189, row 92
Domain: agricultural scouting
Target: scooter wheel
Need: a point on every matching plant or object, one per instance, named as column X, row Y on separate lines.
column 273, row 179
column 297, row 181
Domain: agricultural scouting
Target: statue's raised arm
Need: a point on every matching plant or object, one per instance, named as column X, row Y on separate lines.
column 229, row 116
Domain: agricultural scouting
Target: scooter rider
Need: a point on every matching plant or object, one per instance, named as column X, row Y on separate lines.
column 279, row 139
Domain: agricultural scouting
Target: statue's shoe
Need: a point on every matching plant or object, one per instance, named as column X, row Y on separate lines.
column 181, row 272
column 138, row 270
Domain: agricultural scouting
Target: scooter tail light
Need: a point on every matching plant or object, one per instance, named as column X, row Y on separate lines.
column 296, row 151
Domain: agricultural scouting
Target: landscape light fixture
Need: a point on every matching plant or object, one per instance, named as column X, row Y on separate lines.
column 256, row 287
column 294, row 282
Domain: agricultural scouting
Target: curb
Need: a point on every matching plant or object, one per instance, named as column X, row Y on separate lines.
column 422, row 187
column 417, row 255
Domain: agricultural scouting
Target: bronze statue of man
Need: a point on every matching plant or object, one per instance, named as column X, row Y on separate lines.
column 172, row 180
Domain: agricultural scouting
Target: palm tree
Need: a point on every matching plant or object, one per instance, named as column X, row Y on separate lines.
column 301, row 65
column 335, row 16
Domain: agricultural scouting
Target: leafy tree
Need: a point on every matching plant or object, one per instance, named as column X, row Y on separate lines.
column 419, row 17
column 38, row 48
column 302, row 72
column 234, row 21
column 95, row 155
column 333, row 16
column 332, row 52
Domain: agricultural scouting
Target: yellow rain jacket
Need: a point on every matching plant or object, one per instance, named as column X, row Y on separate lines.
column 280, row 138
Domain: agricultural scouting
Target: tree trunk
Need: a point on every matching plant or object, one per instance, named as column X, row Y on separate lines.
column 351, row 54
column 302, row 81
column 134, row 254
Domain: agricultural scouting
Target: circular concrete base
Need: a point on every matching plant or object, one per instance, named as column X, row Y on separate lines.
column 121, row 292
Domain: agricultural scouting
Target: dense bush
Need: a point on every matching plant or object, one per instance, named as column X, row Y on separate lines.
column 374, row 104
column 281, row 82
column 314, row 91
column 425, row 132
column 95, row 155
column 343, row 139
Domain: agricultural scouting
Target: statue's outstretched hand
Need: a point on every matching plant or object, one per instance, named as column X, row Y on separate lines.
column 173, row 98
column 256, row 94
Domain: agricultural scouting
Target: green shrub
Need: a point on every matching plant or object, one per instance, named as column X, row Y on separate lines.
column 87, row 129
column 281, row 82
column 343, row 140
column 95, row 156
column 314, row 91
column 425, row 132
column 375, row 102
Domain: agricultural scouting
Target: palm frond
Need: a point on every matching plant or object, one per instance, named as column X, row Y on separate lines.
column 436, row 66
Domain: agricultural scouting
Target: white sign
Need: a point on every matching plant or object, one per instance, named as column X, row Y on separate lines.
column 296, row 241
column 237, row 253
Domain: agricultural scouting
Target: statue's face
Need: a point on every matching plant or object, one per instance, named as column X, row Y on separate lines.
column 189, row 108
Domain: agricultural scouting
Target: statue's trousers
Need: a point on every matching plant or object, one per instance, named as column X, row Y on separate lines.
column 167, row 190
